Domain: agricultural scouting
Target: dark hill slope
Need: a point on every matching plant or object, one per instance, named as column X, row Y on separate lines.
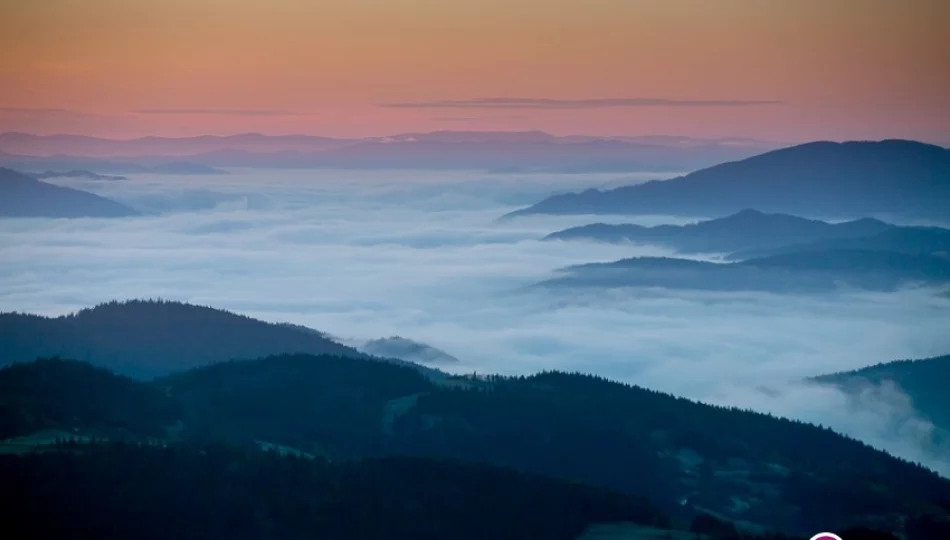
column 152, row 338
column 909, row 240
column 24, row 196
column 325, row 405
column 899, row 178
column 925, row 381
column 569, row 426
column 796, row 272
column 213, row 491
column 745, row 230
column 74, row 396
column 748, row 466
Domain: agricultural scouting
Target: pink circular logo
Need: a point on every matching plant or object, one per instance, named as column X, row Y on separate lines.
column 826, row 536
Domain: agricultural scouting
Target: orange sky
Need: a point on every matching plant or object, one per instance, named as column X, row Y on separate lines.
column 838, row 68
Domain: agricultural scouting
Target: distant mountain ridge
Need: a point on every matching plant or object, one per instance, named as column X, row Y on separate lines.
column 153, row 338
column 745, row 230
column 795, row 272
column 407, row 349
column 906, row 179
column 502, row 151
column 22, row 195
column 909, row 240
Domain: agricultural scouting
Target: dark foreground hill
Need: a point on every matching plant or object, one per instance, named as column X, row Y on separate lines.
column 687, row 457
column 796, row 272
column 924, row 381
column 22, row 195
column 151, row 338
column 200, row 492
column 75, row 397
column 745, row 230
column 897, row 178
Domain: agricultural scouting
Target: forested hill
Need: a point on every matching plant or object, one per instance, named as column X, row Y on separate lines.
column 146, row 338
column 796, row 272
column 686, row 457
column 201, row 492
column 75, row 397
column 909, row 240
column 924, row 381
column 745, row 230
column 854, row 179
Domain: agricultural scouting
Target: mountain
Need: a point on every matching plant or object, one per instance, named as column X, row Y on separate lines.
column 75, row 397
column 905, row 179
column 325, row 405
column 745, row 230
column 183, row 168
column 134, row 165
column 924, row 381
column 797, row 272
column 909, row 240
column 24, row 196
column 80, row 145
column 150, row 338
column 196, row 492
column 496, row 151
column 688, row 458
column 408, row 350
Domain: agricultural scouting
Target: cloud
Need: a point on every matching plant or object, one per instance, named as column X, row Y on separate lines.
column 226, row 112
column 570, row 104
column 29, row 110
column 455, row 118
column 365, row 254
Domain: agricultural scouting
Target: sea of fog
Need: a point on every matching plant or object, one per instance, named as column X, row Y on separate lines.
column 421, row 254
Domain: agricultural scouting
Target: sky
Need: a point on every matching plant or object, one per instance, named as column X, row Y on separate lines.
column 420, row 254
column 784, row 70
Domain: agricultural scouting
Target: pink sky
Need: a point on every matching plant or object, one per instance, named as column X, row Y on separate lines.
column 833, row 69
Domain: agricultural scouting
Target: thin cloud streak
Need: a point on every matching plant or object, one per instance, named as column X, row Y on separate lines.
column 455, row 118
column 571, row 104
column 226, row 112
column 33, row 110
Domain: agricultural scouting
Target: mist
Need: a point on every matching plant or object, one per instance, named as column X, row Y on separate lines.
column 366, row 254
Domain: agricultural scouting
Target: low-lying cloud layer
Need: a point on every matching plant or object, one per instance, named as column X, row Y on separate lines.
column 363, row 254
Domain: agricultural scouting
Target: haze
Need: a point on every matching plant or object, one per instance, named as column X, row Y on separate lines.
column 421, row 255
column 742, row 203
column 784, row 71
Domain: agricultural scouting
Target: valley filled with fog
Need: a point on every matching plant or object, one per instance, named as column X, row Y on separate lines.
column 423, row 255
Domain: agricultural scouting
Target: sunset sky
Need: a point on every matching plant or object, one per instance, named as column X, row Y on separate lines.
column 784, row 70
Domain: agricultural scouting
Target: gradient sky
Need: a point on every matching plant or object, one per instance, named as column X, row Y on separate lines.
column 825, row 69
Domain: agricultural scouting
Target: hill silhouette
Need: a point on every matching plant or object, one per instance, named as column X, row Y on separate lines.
column 22, row 195
column 55, row 394
column 152, row 338
column 909, row 240
column 407, row 349
column 745, row 230
column 795, row 272
column 924, row 381
column 899, row 178
column 194, row 492
column 685, row 456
